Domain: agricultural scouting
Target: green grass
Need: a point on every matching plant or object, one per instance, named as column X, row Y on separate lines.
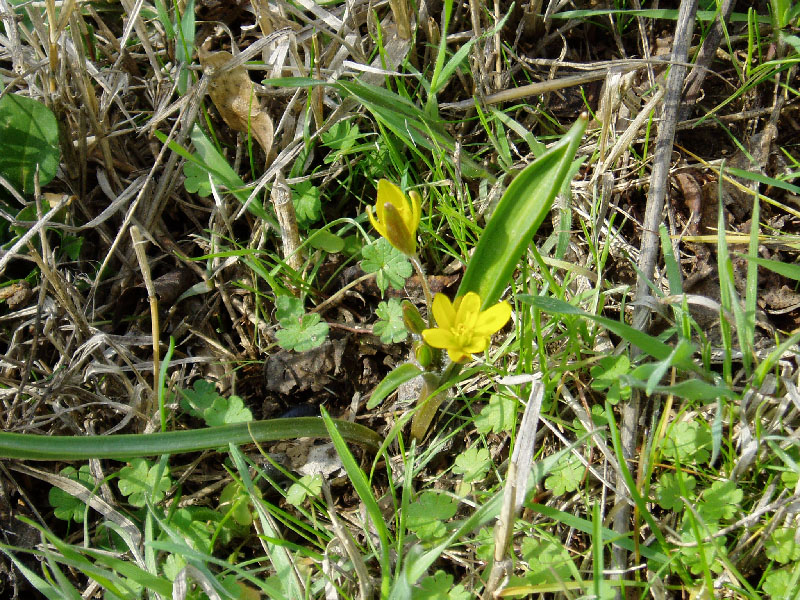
column 157, row 440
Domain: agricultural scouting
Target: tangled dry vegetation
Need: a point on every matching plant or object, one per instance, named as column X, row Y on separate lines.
column 189, row 195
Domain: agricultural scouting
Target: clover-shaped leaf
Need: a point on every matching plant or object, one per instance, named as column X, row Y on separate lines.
column 607, row 374
column 548, row 561
column 688, row 441
column 391, row 265
column 302, row 334
column 566, row 476
column 307, row 205
column 691, row 551
column 782, row 546
column 341, row 136
column 426, row 516
column 483, row 542
column 202, row 397
column 721, row 501
column 778, row 582
column 138, row 482
column 439, row 586
column 390, row 328
column 66, row 506
column 307, row 485
column 472, row 464
column 173, row 565
column 668, row 490
column 197, row 524
column 499, row 415
column 204, row 402
column 197, row 180
column 288, row 309
column 227, row 410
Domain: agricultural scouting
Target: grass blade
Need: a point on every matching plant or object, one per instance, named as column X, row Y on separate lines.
column 364, row 491
column 126, row 446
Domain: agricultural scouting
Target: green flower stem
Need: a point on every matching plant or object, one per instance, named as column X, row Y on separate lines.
column 127, row 446
column 428, row 405
column 426, row 290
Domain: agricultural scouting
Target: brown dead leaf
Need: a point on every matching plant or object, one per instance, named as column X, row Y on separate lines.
column 288, row 372
column 16, row 294
column 693, row 197
column 232, row 92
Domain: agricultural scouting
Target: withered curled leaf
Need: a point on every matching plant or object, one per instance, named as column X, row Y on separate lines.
column 232, row 92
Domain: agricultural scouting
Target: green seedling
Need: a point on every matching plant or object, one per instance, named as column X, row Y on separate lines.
column 205, row 403
column 390, row 326
column 473, row 464
column 307, row 204
column 29, row 138
column 566, row 475
column 66, row 506
column 390, row 265
column 427, row 515
column 498, row 416
column 308, row 486
column 689, row 442
column 439, row 586
column 139, row 482
column 299, row 331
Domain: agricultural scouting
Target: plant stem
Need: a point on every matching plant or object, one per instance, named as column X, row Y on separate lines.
column 425, row 288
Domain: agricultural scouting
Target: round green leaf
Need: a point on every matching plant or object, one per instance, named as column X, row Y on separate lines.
column 29, row 137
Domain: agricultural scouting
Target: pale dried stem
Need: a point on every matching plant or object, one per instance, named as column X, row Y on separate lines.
column 426, row 289
column 534, row 89
column 144, row 266
column 281, row 198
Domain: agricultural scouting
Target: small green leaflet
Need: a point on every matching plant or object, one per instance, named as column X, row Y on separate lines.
column 300, row 332
column 204, row 402
column 391, row 266
column 138, row 481
column 390, row 327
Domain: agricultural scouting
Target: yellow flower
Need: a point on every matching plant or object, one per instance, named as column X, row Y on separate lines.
column 397, row 216
column 463, row 328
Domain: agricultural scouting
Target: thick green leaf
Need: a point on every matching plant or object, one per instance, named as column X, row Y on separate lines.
column 521, row 210
column 396, row 378
column 691, row 389
column 29, row 137
column 325, row 240
column 126, row 446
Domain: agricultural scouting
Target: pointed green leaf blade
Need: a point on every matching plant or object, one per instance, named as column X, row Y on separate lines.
column 521, row 210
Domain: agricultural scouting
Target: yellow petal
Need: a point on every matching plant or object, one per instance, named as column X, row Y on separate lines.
column 389, row 192
column 404, row 210
column 396, row 230
column 439, row 338
column 456, row 355
column 476, row 344
column 416, row 209
column 443, row 311
column 375, row 223
column 492, row 319
column 468, row 310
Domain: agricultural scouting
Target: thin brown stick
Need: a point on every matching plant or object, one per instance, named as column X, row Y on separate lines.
column 649, row 247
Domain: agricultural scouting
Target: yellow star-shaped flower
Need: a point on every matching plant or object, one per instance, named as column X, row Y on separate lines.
column 463, row 328
column 397, row 216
